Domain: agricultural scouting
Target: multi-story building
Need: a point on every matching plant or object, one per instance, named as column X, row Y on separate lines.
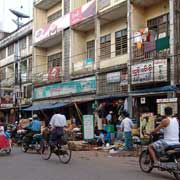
column 80, row 51
column 152, row 65
column 15, row 71
column 106, row 49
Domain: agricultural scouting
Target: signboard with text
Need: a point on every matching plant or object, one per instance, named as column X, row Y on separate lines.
column 65, row 88
column 149, row 71
column 88, row 127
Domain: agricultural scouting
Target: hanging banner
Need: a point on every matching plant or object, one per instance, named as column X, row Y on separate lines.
column 72, row 18
column 113, row 77
column 88, row 127
column 83, row 12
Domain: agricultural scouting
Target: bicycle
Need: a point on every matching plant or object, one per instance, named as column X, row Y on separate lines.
column 62, row 149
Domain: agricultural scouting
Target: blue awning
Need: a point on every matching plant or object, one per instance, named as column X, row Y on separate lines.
column 158, row 89
column 45, row 106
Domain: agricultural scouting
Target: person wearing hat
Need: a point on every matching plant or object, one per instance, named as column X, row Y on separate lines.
column 34, row 127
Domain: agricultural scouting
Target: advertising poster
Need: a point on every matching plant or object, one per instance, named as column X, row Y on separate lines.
column 147, row 123
column 88, row 127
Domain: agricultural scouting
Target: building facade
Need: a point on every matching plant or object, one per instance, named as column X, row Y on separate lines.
column 15, row 72
column 86, row 50
column 80, row 51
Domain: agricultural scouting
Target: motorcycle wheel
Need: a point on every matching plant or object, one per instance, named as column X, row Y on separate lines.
column 65, row 153
column 145, row 162
column 24, row 147
column 177, row 175
column 45, row 150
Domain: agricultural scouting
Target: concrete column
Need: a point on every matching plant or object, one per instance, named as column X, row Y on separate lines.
column 172, row 41
column 129, row 16
column 97, row 46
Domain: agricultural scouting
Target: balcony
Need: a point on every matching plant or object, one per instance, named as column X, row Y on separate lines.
column 145, row 3
column 84, row 67
column 46, row 4
column 115, row 10
column 144, row 48
column 8, row 82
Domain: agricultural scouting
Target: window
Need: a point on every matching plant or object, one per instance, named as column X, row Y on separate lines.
column 105, row 47
column 2, row 53
column 10, row 49
column 121, row 42
column 30, row 40
column 28, row 91
column 160, row 25
column 55, row 60
column 91, row 49
column 54, row 16
column 2, row 73
column 22, row 43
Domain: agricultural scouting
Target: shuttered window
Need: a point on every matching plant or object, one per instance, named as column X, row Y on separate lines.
column 55, row 16
column 55, row 60
column 91, row 49
column 105, row 45
column 121, row 42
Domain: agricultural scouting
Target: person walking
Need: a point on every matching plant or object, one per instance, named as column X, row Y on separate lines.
column 126, row 127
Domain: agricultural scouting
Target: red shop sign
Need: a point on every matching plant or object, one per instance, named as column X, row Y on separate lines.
column 53, row 73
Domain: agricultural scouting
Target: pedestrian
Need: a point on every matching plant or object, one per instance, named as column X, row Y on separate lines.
column 126, row 127
column 109, row 117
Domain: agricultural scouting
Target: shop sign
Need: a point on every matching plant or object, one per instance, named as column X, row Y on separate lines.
column 53, row 28
column 149, row 71
column 160, row 70
column 169, row 102
column 66, row 88
column 141, row 73
column 124, row 78
column 6, row 101
column 83, row 12
column 53, row 73
column 113, row 77
column 88, row 127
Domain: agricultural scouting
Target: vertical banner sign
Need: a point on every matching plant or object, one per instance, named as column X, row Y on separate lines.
column 88, row 127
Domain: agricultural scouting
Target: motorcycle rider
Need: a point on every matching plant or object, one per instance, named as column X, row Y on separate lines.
column 171, row 135
column 34, row 127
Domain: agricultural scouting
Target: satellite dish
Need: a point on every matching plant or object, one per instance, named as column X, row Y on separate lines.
column 19, row 14
column 17, row 23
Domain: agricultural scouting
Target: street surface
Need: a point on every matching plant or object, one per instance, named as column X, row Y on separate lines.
column 83, row 166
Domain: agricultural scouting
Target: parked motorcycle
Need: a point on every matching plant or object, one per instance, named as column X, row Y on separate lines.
column 34, row 145
column 169, row 160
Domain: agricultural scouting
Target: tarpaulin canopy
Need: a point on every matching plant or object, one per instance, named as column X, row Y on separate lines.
column 158, row 89
column 45, row 106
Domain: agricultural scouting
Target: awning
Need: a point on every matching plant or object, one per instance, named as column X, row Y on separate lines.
column 111, row 96
column 156, row 90
column 45, row 106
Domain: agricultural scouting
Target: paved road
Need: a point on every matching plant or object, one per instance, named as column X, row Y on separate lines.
column 84, row 166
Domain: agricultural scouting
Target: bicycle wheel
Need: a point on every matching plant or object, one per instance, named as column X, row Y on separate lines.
column 65, row 153
column 45, row 150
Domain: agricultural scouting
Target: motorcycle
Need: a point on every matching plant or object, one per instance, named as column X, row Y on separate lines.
column 5, row 142
column 169, row 160
column 35, row 143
